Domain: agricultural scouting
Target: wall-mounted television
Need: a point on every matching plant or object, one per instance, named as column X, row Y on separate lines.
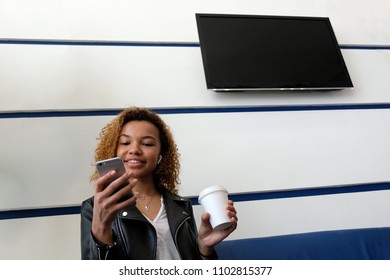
column 263, row 52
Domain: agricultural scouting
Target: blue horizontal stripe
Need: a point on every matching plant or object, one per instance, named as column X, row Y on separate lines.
column 332, row 190
column 101, row 43
column 236, row 197
column 93, row 43
column 39, row 212
column 365, row 47
column 192, row 110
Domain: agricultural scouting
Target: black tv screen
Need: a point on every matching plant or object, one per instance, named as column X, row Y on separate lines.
column 259, row 52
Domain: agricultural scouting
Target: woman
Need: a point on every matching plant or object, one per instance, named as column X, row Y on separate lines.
column 154, row 223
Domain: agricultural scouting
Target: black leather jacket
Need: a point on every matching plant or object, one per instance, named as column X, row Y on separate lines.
column 136, row 238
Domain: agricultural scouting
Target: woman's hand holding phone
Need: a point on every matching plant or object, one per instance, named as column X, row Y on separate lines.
column 116, row 169
column 116, row 189
column 112, row 193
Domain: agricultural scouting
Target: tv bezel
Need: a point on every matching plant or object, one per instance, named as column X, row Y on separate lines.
column 348, row 80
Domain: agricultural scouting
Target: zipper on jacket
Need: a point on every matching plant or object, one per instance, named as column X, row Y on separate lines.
column 176, row 232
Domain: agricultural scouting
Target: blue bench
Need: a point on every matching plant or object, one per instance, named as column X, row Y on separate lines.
column 348, row 244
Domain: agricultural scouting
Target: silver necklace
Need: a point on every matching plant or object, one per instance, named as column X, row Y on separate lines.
column 146, row 206
column 145, row 196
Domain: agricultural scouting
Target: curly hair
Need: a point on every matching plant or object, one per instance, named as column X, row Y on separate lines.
column 166, row 173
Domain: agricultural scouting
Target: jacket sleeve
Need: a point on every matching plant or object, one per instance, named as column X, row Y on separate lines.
column 88, row 250
column 214, row 255
column 91, row 249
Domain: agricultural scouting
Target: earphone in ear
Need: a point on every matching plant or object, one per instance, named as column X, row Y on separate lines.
column 159, row 159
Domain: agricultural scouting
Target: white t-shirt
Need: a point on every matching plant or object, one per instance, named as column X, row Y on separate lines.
column 166, row 249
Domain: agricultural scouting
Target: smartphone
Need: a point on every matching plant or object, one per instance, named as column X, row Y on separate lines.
column 105, row 166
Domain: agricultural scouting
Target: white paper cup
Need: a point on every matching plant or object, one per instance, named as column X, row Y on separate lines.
column 214, row 200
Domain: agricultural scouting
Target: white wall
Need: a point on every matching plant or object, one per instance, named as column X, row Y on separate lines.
column 46, row 162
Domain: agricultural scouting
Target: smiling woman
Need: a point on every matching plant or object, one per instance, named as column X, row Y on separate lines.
column 167, row 173
column 139, row 148
column 154, row 223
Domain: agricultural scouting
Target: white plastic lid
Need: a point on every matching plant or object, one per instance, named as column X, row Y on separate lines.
column 210, row 190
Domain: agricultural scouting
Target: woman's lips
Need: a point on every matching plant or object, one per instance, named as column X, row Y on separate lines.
column 134, row 162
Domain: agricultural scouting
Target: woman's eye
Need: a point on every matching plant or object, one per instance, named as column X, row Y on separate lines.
column 124, row 143
column 148, row 144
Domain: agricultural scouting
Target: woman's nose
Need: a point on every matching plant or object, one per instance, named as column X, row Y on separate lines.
column 134, row 148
